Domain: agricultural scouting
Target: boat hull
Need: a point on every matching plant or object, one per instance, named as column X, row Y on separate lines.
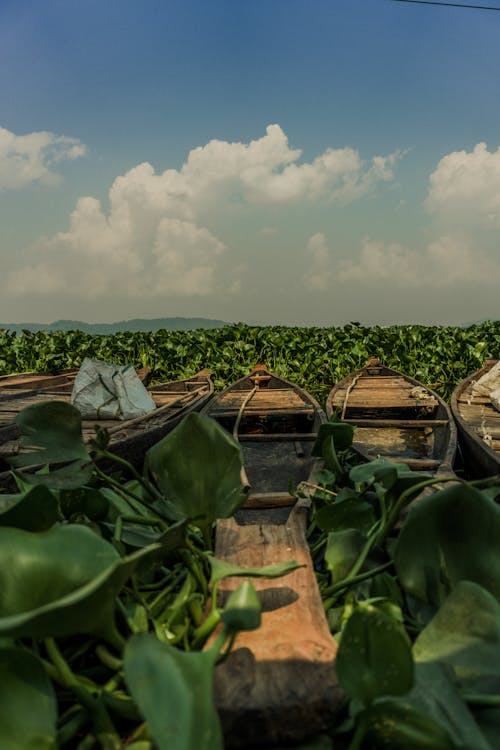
column 477, row 418
column 129, row 439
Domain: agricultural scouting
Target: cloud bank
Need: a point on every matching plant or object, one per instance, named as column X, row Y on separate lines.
column 32, row 158
column 465, row 187
column 155, row 241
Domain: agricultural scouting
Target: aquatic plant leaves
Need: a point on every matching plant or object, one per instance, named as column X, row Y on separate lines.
column 198, row 469
column 28, row 708
column 60, row 582
column 397, row 725
column 35, row 509
column 450, row 536
column 243, row 609
column 223, row 569
column 174, row 693
column 374, row 657
column 86, row 501
column 341, row 432
column 53, row 432
column 435, row 694
column 396, row 477
column 350, row 513
column 465, row 635
column 342, row 551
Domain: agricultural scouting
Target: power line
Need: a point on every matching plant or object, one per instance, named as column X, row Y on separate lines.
column 449, row 5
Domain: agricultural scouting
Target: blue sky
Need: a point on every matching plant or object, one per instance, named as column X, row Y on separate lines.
column 274, row 161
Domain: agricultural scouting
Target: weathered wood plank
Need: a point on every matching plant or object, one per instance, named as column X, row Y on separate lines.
column 279, row 682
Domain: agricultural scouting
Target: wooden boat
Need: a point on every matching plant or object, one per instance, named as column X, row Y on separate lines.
column 478, row 425
column 129, row 438
column 278, row 682
column 395, row 417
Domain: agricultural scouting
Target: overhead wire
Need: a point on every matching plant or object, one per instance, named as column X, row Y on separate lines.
column 449, row 5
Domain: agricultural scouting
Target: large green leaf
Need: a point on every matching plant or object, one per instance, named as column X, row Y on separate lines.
column 28, row 709
column 349, row 513
column 60, row 582
column 198, row 468
column 342, row 551
column 173, row 691
column 437, row 697
column 53, row 432
column 450, row 536
column 341, row 433
column 465, row 635
column 374, row 657
column 397, row 725
column 36, row 509
column 395, row 477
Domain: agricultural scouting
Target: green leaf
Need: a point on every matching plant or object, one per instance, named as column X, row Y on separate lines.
column 174, row 693
column 374, row 657
column 84, row 500
column 71, row 476
column 397, row 725
column 28, row 708
column 437, row 697
column 243, row 609
column 222, row 569
column 198, row 469
column 342, row 551
column 35, row 509
column 53, row 432
column 351, row 513
column 60, row 582
column 341, row 432
column 450, row 536
column 465, row 635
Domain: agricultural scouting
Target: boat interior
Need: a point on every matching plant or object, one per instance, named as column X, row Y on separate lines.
column 394, row 417
column 276, row 425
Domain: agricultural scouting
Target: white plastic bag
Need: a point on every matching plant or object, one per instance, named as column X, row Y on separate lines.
column 105, row 391
column 488, row 382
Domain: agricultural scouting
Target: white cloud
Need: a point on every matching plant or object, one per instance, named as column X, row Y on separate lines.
column 465, row 187
column 152, row 241
column 25, row 159
column 319, row 272
column 448, row 261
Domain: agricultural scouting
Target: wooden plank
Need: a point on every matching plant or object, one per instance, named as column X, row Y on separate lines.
column 267, row 500
column 278, row 684
column 397, row 423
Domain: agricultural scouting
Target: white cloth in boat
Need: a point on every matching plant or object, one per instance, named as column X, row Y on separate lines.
column 106, row 391
column 489, row 385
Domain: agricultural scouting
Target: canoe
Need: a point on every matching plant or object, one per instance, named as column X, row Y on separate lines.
column 395, row 417
column 129, row 438
column 278, row 684
column 478, row 425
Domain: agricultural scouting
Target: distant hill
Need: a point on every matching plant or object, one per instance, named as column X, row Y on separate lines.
column 137, row 324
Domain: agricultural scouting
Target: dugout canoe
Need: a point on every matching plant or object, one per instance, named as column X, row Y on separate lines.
column 396, row 417
column 478, row 425
column 278, row 684
column 129, row 438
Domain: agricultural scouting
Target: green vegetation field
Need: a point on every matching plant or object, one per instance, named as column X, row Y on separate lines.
column 314, row 358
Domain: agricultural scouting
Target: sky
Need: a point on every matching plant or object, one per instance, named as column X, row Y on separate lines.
column 296, row 162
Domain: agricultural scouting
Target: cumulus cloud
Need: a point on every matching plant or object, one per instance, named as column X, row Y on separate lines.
column 465, row 186
column 154, row 239
column 26, row 159
column 319, row 271
column 448, row 261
